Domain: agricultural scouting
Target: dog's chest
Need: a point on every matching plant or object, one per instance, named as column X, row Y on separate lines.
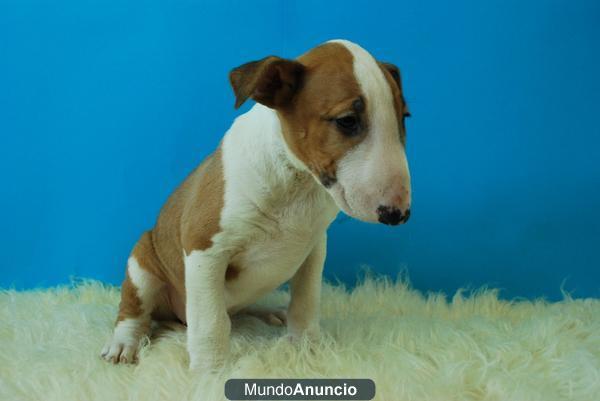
column 278, row 242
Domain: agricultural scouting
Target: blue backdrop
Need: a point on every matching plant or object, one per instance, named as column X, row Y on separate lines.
column 106, row 106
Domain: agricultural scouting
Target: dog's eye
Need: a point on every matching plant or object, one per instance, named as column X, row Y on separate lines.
column 347, row 124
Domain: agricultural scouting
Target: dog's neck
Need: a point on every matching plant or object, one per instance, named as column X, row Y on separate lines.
column 265, row 130
column 256, row 150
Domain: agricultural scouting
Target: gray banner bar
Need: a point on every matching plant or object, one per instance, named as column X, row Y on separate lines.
column 299, row 389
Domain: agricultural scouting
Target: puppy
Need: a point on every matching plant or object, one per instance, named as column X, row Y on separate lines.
column 327, row 133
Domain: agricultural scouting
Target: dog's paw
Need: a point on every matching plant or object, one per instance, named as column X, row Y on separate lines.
column 272, row 317
column 116, row 351
column 275, row 317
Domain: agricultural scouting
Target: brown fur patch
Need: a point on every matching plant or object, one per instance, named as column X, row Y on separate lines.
column 202, row 213
column 146, row 256
column 188, row 221
column 329, row 89
column 131, row 305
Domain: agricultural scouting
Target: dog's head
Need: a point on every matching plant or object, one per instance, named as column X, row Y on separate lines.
column 342, row 114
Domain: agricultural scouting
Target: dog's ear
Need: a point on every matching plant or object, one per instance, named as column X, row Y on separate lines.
column 394, row 72
column 272, row 81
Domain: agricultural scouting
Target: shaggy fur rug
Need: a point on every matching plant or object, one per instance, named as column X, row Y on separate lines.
column 414, row 347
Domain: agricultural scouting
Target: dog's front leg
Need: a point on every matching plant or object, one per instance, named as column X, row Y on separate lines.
column 208, row 324
column 305, row 288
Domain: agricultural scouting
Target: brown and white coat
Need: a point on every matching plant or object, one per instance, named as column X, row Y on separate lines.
column 326, row 134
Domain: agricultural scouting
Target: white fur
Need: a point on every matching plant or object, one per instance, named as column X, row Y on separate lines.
column 304, row 308
column 206, row 312
column 125, row 332
column 415, row 346
column 272, row 218
column 125, row 340
column 146, row 284
column 376, row 171
column 273, row 213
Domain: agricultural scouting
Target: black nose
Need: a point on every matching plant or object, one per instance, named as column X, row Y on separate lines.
column 392, row 215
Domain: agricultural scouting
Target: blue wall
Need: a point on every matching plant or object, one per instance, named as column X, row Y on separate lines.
column 106, row 106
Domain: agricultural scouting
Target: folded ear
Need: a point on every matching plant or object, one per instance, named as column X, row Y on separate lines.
column 272, row 81
column 394, row 72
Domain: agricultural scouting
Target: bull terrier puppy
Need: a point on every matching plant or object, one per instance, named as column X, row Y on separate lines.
column 327, row 134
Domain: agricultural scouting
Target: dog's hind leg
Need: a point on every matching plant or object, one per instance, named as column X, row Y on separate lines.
column 271, row 316
column 141, row 293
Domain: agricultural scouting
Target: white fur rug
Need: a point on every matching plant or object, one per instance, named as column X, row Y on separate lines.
column 414, row 347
